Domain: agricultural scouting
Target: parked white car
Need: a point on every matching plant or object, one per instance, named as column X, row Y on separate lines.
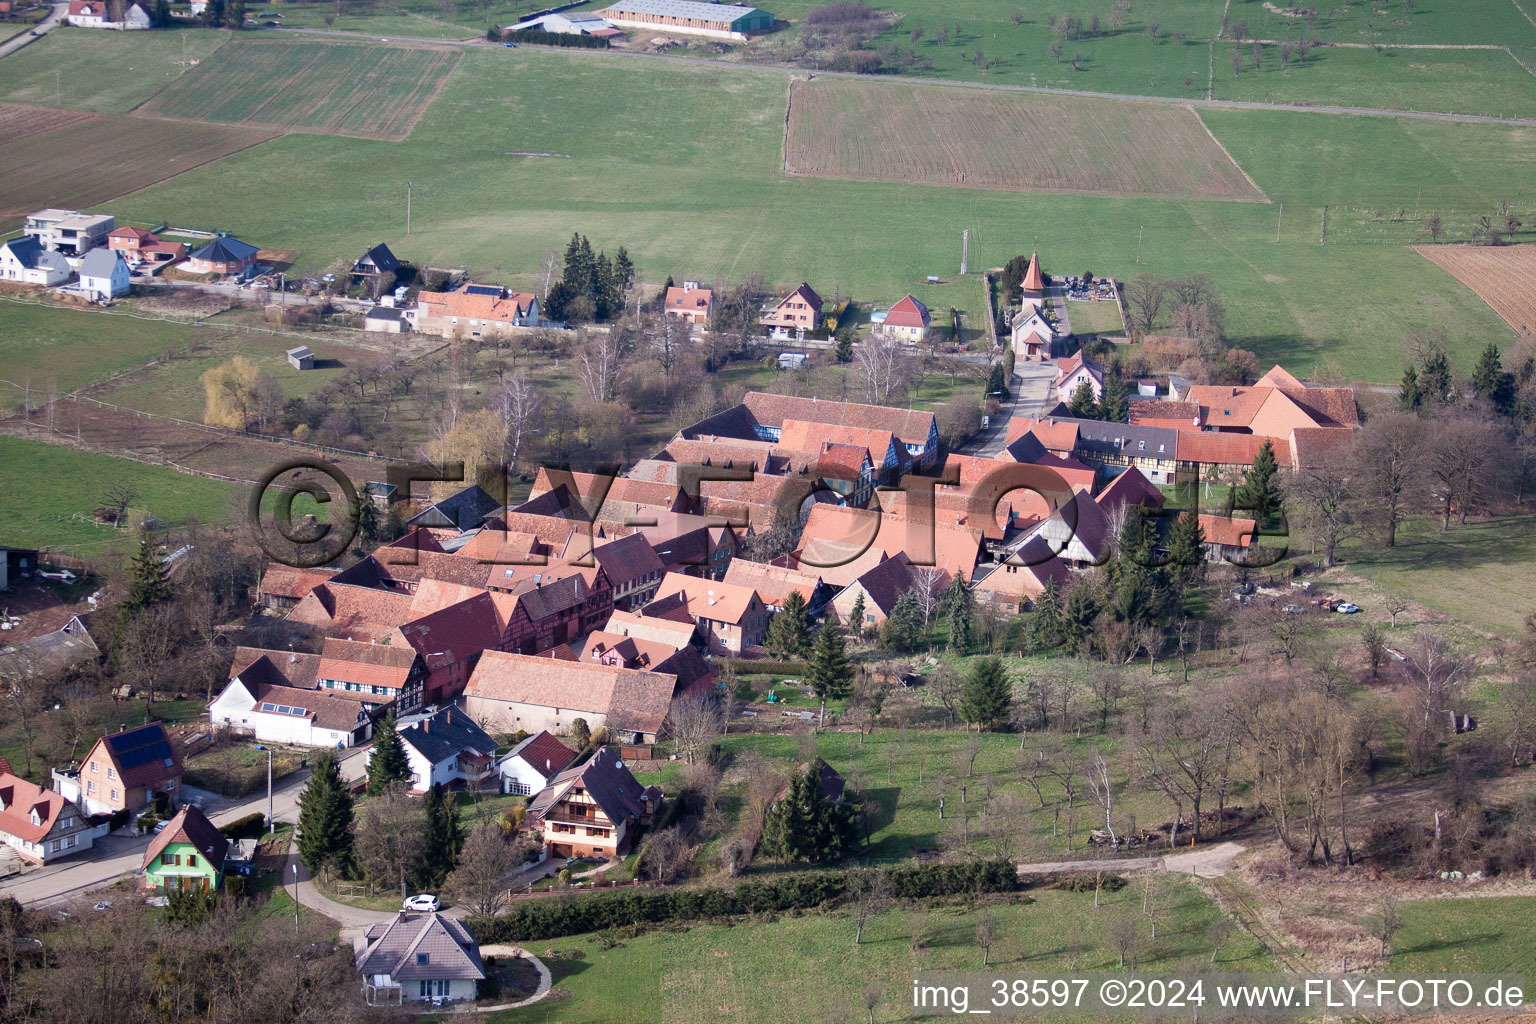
column 423, row 901
column 1347, row 609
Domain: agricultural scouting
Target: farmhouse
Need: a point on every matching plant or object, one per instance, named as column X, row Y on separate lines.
column 103, row 274
column 1013, row 583
column 590, row 810
column 69, row 231
column 49, row 654
column 271, row 697
column 761, row 417
column 41, row 825
column 731, row 618
column 906, row 321
column 283, row 587
column 795, row 313
column 227, row 256
column 527, row 768
column 385, row 320
column 509, row 692
column 416, row 958
column 690, row 302
column 723, row 21
column 1226, row 539
column 474, row 311
column 881, row 587
column 26, row 261
column 375, row 263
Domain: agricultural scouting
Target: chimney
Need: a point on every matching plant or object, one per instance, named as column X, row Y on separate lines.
column 548, row 768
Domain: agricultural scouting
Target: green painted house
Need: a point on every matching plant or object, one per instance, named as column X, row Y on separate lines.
column 188, row 853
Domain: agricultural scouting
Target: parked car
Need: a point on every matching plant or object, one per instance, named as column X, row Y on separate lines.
column 1294, row 609
column 61, row 575
column 1347, row 609
column 423, row 901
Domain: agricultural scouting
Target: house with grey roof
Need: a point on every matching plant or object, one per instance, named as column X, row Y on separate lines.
column 591, row 810
column 225, row 255
column 418, row 958
column 104, row 274
column 25, row 261
column 445, row 747
column 722, row 21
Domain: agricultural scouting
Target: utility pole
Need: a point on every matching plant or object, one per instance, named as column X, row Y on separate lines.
column 295, row 897
column 1139, row 231
column 407, row 207
column 271, row 825
column 1278, row 222
column 58, row 90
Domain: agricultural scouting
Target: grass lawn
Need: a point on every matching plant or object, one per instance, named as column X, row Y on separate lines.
column 1095, row 317
column 808, row 969
column 70, row 348
column 119, row 714
column 703, row 196
column 48, row 487
column 104, row 72
column 1464, row 935
column 1479, row 573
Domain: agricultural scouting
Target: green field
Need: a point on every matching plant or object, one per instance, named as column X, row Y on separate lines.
column 1095, row 318
column 1488, row 935
column 695, row 189
column 104, row 72
column 808, row 969
column 47, row 487
column 344, row 88
column 70, row 348
column 1479, row 573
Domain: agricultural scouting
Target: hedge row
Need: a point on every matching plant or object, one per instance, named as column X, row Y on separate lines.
column 542, row 38
column 249, row 827
column 574, row 915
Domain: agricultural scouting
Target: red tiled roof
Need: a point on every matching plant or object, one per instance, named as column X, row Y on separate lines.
column 644, row 697
column 475, row 305
column 910, row 425
column 691, row 300
column 1227, row 532
column 1033, row 281
column 369, row 664
column 140, row 755
column 1058, row 437
column 21, row 798
column 544, row 753
column 1311, row 445
column 809, row 436
column 773, row 583
column 907, row 313
column 284, row 581
column 455, row 633
column 1213, row 448
column 1130, row 488
column 1149, row 412
column 137, row 234
column 297, row 668
column 709, row 599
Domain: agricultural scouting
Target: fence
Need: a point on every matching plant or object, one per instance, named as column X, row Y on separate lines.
column 577, row 886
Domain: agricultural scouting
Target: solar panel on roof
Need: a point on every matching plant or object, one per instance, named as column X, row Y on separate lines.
column 482, row 289
column 265, row 706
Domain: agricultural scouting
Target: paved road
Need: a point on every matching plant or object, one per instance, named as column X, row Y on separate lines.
column 1030, row 397
column 1207, row 862
column 39, row 30
column 996, row 87
column 114, row 856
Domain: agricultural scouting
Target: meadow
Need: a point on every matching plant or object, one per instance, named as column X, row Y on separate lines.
column 335, row 88
column 808, row 968
column 68, row 348
column 1479, row 573
column 48, row 488
column 878, row 131
column 695, row 189
column 103, row 72
column 47, row 169
column 1485, row 934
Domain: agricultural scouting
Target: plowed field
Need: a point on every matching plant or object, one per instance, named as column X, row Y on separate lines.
column 1503, row 276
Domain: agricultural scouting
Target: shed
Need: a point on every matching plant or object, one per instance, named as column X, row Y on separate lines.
column 301, row 358
column 384, row 319
column 792, row 360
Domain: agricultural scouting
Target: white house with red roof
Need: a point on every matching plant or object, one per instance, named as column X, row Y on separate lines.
column 41, row 825
column 527, row 768
column 690, row 302
column 906, row 321
column 94, row 14
column 1072, row 372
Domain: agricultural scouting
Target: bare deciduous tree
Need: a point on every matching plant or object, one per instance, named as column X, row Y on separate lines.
column 693, row 723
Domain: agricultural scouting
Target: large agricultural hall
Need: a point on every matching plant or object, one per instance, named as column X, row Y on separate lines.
column 725, row 21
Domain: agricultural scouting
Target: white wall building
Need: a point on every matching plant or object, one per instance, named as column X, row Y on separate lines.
column 69, row 231
column 104, row 274
column 445, row 747
column 25, row 261
column 286, row 714
column 527, row 768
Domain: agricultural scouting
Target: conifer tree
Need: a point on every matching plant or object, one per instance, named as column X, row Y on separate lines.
column 1411, row 395
column 325, row 817
column 1078, row 619
column 856, row 617
column 803, row 825
column 1436, row 376
column 830, row 675
column 903, row 628
column 444, row 838
column 1184, row 548
column 388, row 762
column 997, row 382
column 1047, row 625
column 1492, row 382
column 957, row 599
column 789, row 634
column 1082, row 404
column 1114, row 403
column 986, row 695
column 147, row 584
column 1259, row 492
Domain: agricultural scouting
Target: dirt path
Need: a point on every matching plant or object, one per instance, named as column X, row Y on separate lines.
column 1207, row 862
column 1235, row 899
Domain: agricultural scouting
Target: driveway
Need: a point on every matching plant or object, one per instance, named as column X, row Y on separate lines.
column 116, row 855
column 1029, row 396
column 39, row 30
